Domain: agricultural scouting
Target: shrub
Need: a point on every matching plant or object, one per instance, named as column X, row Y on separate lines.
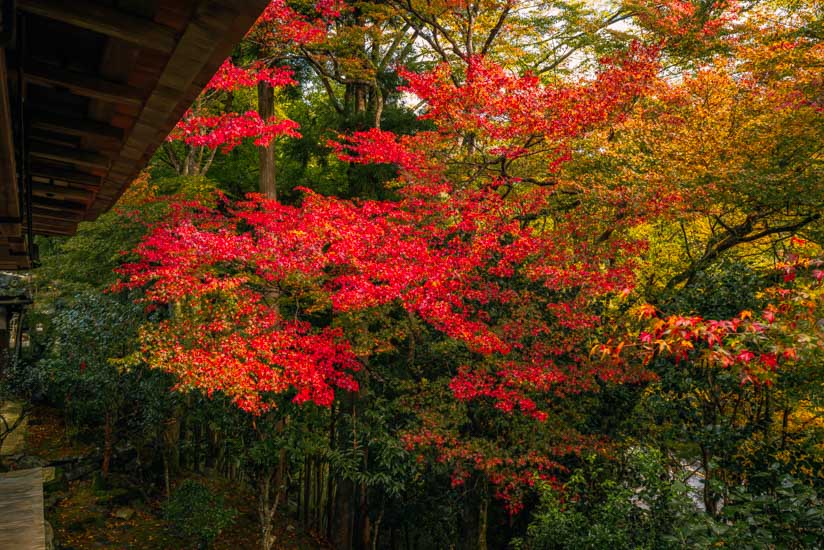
column 197, row 513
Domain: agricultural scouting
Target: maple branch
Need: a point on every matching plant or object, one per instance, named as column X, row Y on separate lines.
column 324, row 79
column 575, row 43
column 433, row 23
column 378, row 104
column 738, row 235
column 540, row 183
column 686, row 241
column 200, row 161
column 722, row 224
column 394, row 46
column 470, row 23
column 336, row 76
column 432, row 41
column 209, row 161
column 406, row 49
column 496, row 29
column 170, row 158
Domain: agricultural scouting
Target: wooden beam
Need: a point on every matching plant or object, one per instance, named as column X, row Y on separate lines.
column 7, row 255
column 17, row 245
column 64, row 174
column 16, row 250
column 105, row 146
column 54, row 138
column 105, row 20
column 52, row 232
column 83, row 84
column 61, row 193
column 10, row 229
column 74, row 126
column 79, row 157
column 43, row 226
column 57, row 215
column 9, row 199
column 59, row 205
column 55, row 231
column 12, row 265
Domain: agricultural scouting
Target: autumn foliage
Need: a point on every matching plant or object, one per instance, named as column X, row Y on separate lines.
column 494, row 241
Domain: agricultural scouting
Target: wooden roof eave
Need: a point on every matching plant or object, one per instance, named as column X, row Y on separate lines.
column 96, row 113
column 192, row 64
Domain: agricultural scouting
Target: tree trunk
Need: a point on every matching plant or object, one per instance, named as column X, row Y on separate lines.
column 271, row 491
column 469, row 519
column 196, row 437
column 307, row 483
column 266, row 511
column 360, row 99
column 709, row 497
column 282, row 478
column 266, row 108
column 171, row 449
column 167, row 478
column 378, row 106
column 343, row 518
column 212, row 447
column 329, row 495
column 364, row 521
column 330, row 508
column 318, row 490
column 107, row 445
column 299, row 499
column 377, row 528
column 483, row 513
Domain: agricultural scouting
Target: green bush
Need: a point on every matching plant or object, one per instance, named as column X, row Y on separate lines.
column 783, row 513
column 197, row 513
column 639, row 508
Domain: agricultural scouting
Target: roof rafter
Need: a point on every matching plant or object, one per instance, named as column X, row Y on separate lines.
column 74, row 126
column 105, row 20
column 82, row 84
column 79, row 157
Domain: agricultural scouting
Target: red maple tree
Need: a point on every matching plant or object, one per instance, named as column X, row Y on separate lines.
column 474, row 247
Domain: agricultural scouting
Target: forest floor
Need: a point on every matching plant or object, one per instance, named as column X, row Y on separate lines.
column 86, row 517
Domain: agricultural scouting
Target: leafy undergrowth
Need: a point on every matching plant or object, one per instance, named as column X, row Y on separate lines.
column 85, row 520
column 83, row 517
column 47, row 436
